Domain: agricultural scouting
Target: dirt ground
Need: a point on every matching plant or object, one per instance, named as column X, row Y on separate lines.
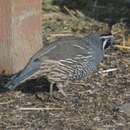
column 102, row 102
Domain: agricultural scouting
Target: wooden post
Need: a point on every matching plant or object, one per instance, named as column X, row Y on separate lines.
column 20, row 33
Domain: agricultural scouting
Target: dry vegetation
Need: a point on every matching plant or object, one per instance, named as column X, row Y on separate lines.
column 102, row 102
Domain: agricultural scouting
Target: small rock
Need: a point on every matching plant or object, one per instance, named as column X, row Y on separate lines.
column 125, row 108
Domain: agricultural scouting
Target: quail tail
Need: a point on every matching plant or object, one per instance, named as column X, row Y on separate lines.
column 21, row 77
column 13, row 83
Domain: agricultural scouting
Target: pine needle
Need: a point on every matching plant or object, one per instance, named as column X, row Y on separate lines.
column 122, row 47
column 38, row 109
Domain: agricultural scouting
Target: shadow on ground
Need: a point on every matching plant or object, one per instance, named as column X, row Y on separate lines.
column 31, row 86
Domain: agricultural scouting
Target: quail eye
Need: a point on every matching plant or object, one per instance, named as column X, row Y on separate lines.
column 36, row 60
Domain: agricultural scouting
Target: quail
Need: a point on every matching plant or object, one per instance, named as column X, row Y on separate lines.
column 66, row 59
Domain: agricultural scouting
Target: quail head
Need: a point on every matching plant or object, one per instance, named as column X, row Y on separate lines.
column 66, row 59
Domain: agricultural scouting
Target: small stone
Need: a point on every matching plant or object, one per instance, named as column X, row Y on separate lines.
column 125, row 108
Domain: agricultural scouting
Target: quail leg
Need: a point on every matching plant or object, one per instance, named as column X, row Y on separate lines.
column 51, row 90
column 60, row 86
column 74, row 100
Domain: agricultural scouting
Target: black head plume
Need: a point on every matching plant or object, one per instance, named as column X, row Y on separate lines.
column 107, row 40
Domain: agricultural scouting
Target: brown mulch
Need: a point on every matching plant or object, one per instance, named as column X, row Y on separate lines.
column 98, row 99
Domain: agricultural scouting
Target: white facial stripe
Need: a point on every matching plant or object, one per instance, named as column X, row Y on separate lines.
column 104, row 43
column 107, row 37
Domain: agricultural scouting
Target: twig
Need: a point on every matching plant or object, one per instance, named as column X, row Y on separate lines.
column 65, row 35
column 71, row 13
column 126, row 61
column 108, row 70
column 8, row 102
column 38, row 109
column 122, row 47
column 80, row 14
column 55, row 16
column 61, row 35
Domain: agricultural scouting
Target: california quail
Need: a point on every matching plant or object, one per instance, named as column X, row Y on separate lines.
column 66, row 59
